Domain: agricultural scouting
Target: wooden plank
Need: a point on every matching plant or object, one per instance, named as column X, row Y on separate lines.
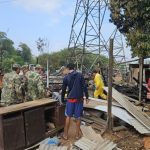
column 131, row 108
column 26, row 105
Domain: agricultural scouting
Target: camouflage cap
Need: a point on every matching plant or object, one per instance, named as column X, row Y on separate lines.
column 38, row 66
column 25, row 67
column 16, row 66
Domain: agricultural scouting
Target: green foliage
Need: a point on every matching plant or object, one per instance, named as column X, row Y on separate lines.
column 22, row 55
column 60, row 58
column 25, row 53
column 132, row 19
column 56, row 59
column 9, row 55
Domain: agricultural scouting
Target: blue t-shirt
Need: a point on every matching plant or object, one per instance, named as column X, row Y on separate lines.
column 76, row 86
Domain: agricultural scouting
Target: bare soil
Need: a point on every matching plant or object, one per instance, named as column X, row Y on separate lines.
column 127, row 139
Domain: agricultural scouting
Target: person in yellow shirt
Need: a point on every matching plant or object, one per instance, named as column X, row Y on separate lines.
column 99, row 85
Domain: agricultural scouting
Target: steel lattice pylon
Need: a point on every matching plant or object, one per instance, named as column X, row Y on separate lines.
column 87, row 35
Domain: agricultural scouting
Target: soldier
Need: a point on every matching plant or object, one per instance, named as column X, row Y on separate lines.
column 40, row 70
column 12, row 87
column 35, row 87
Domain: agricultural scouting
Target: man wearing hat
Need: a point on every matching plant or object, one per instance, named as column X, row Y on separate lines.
column 12, row 87
column 34, row 85
column 38, row 68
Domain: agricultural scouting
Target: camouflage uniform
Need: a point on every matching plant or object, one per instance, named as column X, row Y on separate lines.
column 35, row 86
column 12, row 89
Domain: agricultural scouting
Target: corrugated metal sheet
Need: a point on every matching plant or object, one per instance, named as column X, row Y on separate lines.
column 120, row 113
column 131, row 108
column 140, row 122
column 50, row 147
column 86, row 144
column 93, row 141
column 90, row 134
column 139, row 127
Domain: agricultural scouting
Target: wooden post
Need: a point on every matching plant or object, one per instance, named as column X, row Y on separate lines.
column 110, row 74
column 47, row 83
column 141, row 62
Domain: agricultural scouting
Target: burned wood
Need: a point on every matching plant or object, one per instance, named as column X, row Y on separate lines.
column 97, row 120
column 87, row 120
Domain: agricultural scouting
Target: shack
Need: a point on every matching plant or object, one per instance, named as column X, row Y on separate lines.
column 134, row 72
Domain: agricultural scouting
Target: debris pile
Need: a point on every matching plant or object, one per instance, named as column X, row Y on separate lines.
column 125, row 110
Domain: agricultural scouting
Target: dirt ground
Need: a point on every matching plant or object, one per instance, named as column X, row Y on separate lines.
column 127, row 139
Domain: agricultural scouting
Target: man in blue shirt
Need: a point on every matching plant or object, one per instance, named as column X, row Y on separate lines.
column 77, row 90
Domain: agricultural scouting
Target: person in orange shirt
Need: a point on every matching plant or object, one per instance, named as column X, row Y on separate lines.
column 99, row 85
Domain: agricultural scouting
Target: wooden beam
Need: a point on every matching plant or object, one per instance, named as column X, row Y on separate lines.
column 141, row 63
column 110, row 74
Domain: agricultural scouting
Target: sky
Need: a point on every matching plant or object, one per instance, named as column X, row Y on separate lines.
column 27, row 20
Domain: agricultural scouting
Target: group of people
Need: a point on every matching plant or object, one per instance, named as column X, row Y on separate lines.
column 25, row 84
column 22, row 84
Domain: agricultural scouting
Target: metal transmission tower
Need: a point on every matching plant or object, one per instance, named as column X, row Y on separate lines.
column 87, row 34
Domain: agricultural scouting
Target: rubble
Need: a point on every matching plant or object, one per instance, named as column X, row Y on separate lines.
column 123, row 115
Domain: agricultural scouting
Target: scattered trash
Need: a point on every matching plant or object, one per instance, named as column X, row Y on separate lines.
column 51, row 141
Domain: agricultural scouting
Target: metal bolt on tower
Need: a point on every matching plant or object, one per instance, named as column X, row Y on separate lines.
column 89, row 33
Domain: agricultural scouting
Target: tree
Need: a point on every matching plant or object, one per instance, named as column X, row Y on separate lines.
column 59, row 59
column 25, row 52
column 6, row 48
column 41, row 43
column 132, row 19
column 10, row 55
